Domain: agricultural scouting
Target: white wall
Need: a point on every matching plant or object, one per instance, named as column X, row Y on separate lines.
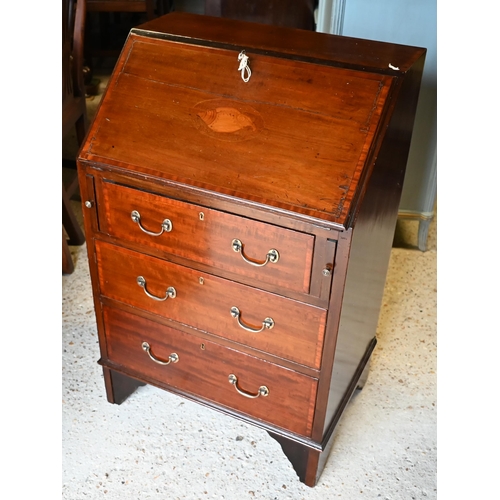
column 409, row 22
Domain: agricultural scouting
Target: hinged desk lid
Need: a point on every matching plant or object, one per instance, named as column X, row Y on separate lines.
column 293, row 133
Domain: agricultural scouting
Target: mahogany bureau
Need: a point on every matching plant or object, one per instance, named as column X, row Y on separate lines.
column 240, row 186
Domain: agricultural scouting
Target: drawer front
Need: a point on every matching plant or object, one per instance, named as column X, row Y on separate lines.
column 266, row 321
column 203, row 368
column 206, row 236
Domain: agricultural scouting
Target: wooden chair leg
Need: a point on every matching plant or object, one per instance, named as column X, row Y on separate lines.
column 70, row 222
column 67, row 262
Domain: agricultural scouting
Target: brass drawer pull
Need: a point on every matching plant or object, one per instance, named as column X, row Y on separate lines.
column 267, row 323
column 173, row 358
column 169, row 294
column 263, row 390
column 166, row 225
column 272, row 256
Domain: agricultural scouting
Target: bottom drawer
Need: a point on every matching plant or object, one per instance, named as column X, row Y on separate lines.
column 258, row 388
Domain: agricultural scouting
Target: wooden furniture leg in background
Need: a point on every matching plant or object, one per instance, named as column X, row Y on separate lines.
column 72, row 228
column 67, row 262
column 74, row 113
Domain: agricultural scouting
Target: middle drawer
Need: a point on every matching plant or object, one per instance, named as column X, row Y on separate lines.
column 248, row 248
column 262, row 320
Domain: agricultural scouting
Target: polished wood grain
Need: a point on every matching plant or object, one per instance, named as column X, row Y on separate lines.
column 324, row 249
column 346, row 95
column 204, row 235
column 204, row 367
column 284, row 42
column 310, row 155
column 204, row 301
column 315, row 119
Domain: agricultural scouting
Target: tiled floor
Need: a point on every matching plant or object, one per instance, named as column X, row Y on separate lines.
column 157, row 445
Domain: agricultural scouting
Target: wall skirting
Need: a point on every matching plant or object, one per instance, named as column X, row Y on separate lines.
column 409, row 214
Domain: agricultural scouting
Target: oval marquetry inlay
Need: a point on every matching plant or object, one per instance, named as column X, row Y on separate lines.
column 227, row 120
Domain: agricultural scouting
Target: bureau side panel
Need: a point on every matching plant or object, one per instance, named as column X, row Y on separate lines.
column 370, row 244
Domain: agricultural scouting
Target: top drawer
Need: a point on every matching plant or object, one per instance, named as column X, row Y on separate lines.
column 252, row 249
